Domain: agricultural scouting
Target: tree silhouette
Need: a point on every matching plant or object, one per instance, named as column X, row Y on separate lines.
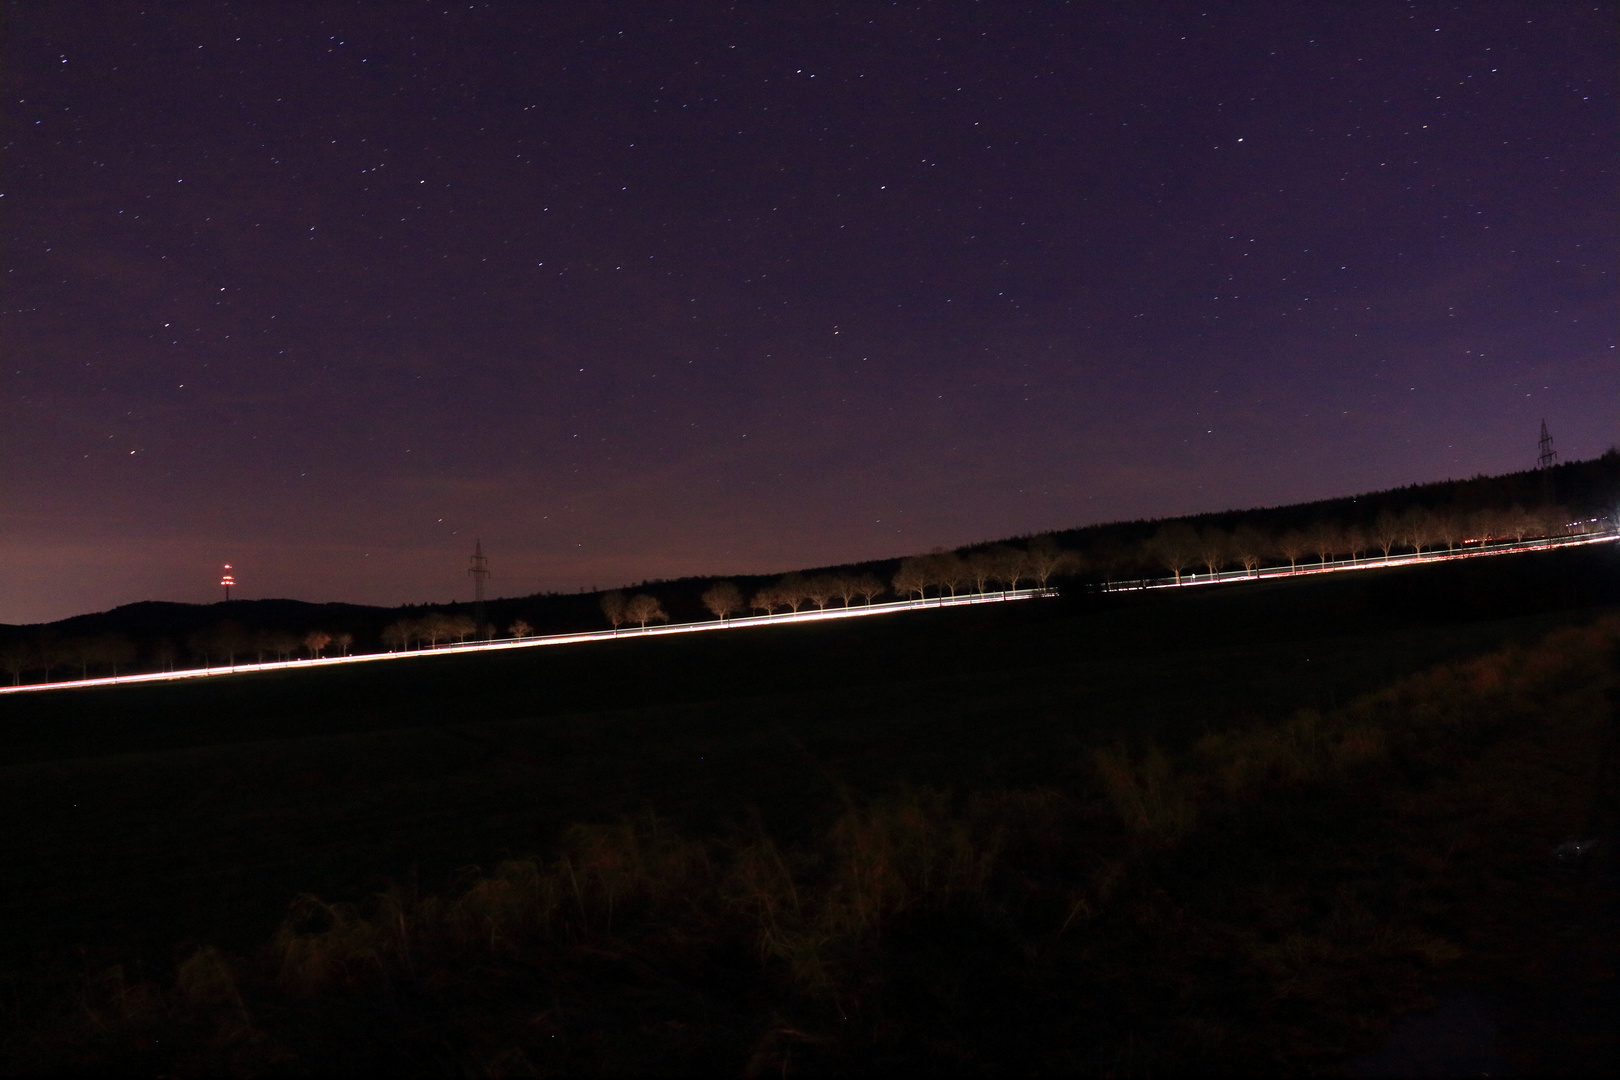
column 868, row 587
column 1521, row 523
column 723, row 599
column 1388, row 530
column 820, row 590
column 1012, row 565
column 16, row 657
column 1417, row 529
column 435, row 627
column 1487, row 525
column 981, row 568
column 1293, row 547
column 792, row 590
column 343, row 641
column 520, row 629
column 613, row 608
column 398, row 635
column 1214, row 549
column 1175, row 546
column 643, row 609
column 847, row 588
column 912, row 577
column 316, row 641
column 1448, row 528
column 86, row 651
column 1356, row 541
column 765, row 599
column 949, row 570
column 1046, row 559
column 1250, row 546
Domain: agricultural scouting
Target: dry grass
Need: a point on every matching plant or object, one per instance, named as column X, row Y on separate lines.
column 1257, row 900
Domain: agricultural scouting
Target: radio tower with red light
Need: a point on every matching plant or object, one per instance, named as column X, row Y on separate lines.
column 228, row 580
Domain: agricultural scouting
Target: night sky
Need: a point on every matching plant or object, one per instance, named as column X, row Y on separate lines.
column 328, row 290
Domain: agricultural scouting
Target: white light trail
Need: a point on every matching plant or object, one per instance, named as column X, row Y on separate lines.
column 752, row 621
column 1373, row 562
column 786, row 618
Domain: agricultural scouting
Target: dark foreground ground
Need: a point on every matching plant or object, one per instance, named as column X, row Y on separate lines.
column 1249, row 826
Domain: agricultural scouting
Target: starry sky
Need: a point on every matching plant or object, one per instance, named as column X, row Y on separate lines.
column 329, row 290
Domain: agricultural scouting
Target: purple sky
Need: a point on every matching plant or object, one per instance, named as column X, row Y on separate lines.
column 327, row 290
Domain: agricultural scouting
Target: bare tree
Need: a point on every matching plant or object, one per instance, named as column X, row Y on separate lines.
column 1214, row 549
column 846, row 588
column 1293, row 546
column 1388, row 531
column 613, row 607
column 1250, row 546
column 460, row 627
column 520, row 628
column 343, row 641
column 765, row 599
column 1448, row 528
column 1417, row 529
column 116, row 650
column 1522, row 523
column 398, row 635
column 869, row 588
column 1045, row 559
column 1174, row 546
column 435, row 627
column 16, row 657
column 1012, row 565
column 316, row 641
column 54, row 653
column 84, row 652
column 792, row 590
column 225, row 641
column 723, row 599
column 1325, row 540
column 643, row 609
column 913, row 577
column 821, row 589
column 1487, row 525
column 949, row 569
column 1355, row 541
column 981, row 567
column 165, row 654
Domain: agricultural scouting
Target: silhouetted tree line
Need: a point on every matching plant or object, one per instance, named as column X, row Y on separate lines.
column 1422, row 518
column 1178, row 547
column 431, row 630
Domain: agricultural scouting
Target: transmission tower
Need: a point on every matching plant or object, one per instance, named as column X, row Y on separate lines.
column 1549, row 456
column 479, row 570
column 1544, row 463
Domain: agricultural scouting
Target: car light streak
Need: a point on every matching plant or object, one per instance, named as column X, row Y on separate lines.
column 753, row 621
column 790, row 617
column 1374, row 562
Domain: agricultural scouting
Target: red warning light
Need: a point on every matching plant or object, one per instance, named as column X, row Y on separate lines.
column 228, row 580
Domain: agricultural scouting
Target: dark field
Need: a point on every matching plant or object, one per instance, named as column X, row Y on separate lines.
column 146, row 821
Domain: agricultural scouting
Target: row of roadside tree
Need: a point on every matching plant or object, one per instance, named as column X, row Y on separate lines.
column 1453, row 515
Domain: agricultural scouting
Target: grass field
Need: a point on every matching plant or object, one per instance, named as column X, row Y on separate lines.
column 147, row 821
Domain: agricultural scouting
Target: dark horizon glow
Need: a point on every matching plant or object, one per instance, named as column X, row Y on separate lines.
column 325, row 292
